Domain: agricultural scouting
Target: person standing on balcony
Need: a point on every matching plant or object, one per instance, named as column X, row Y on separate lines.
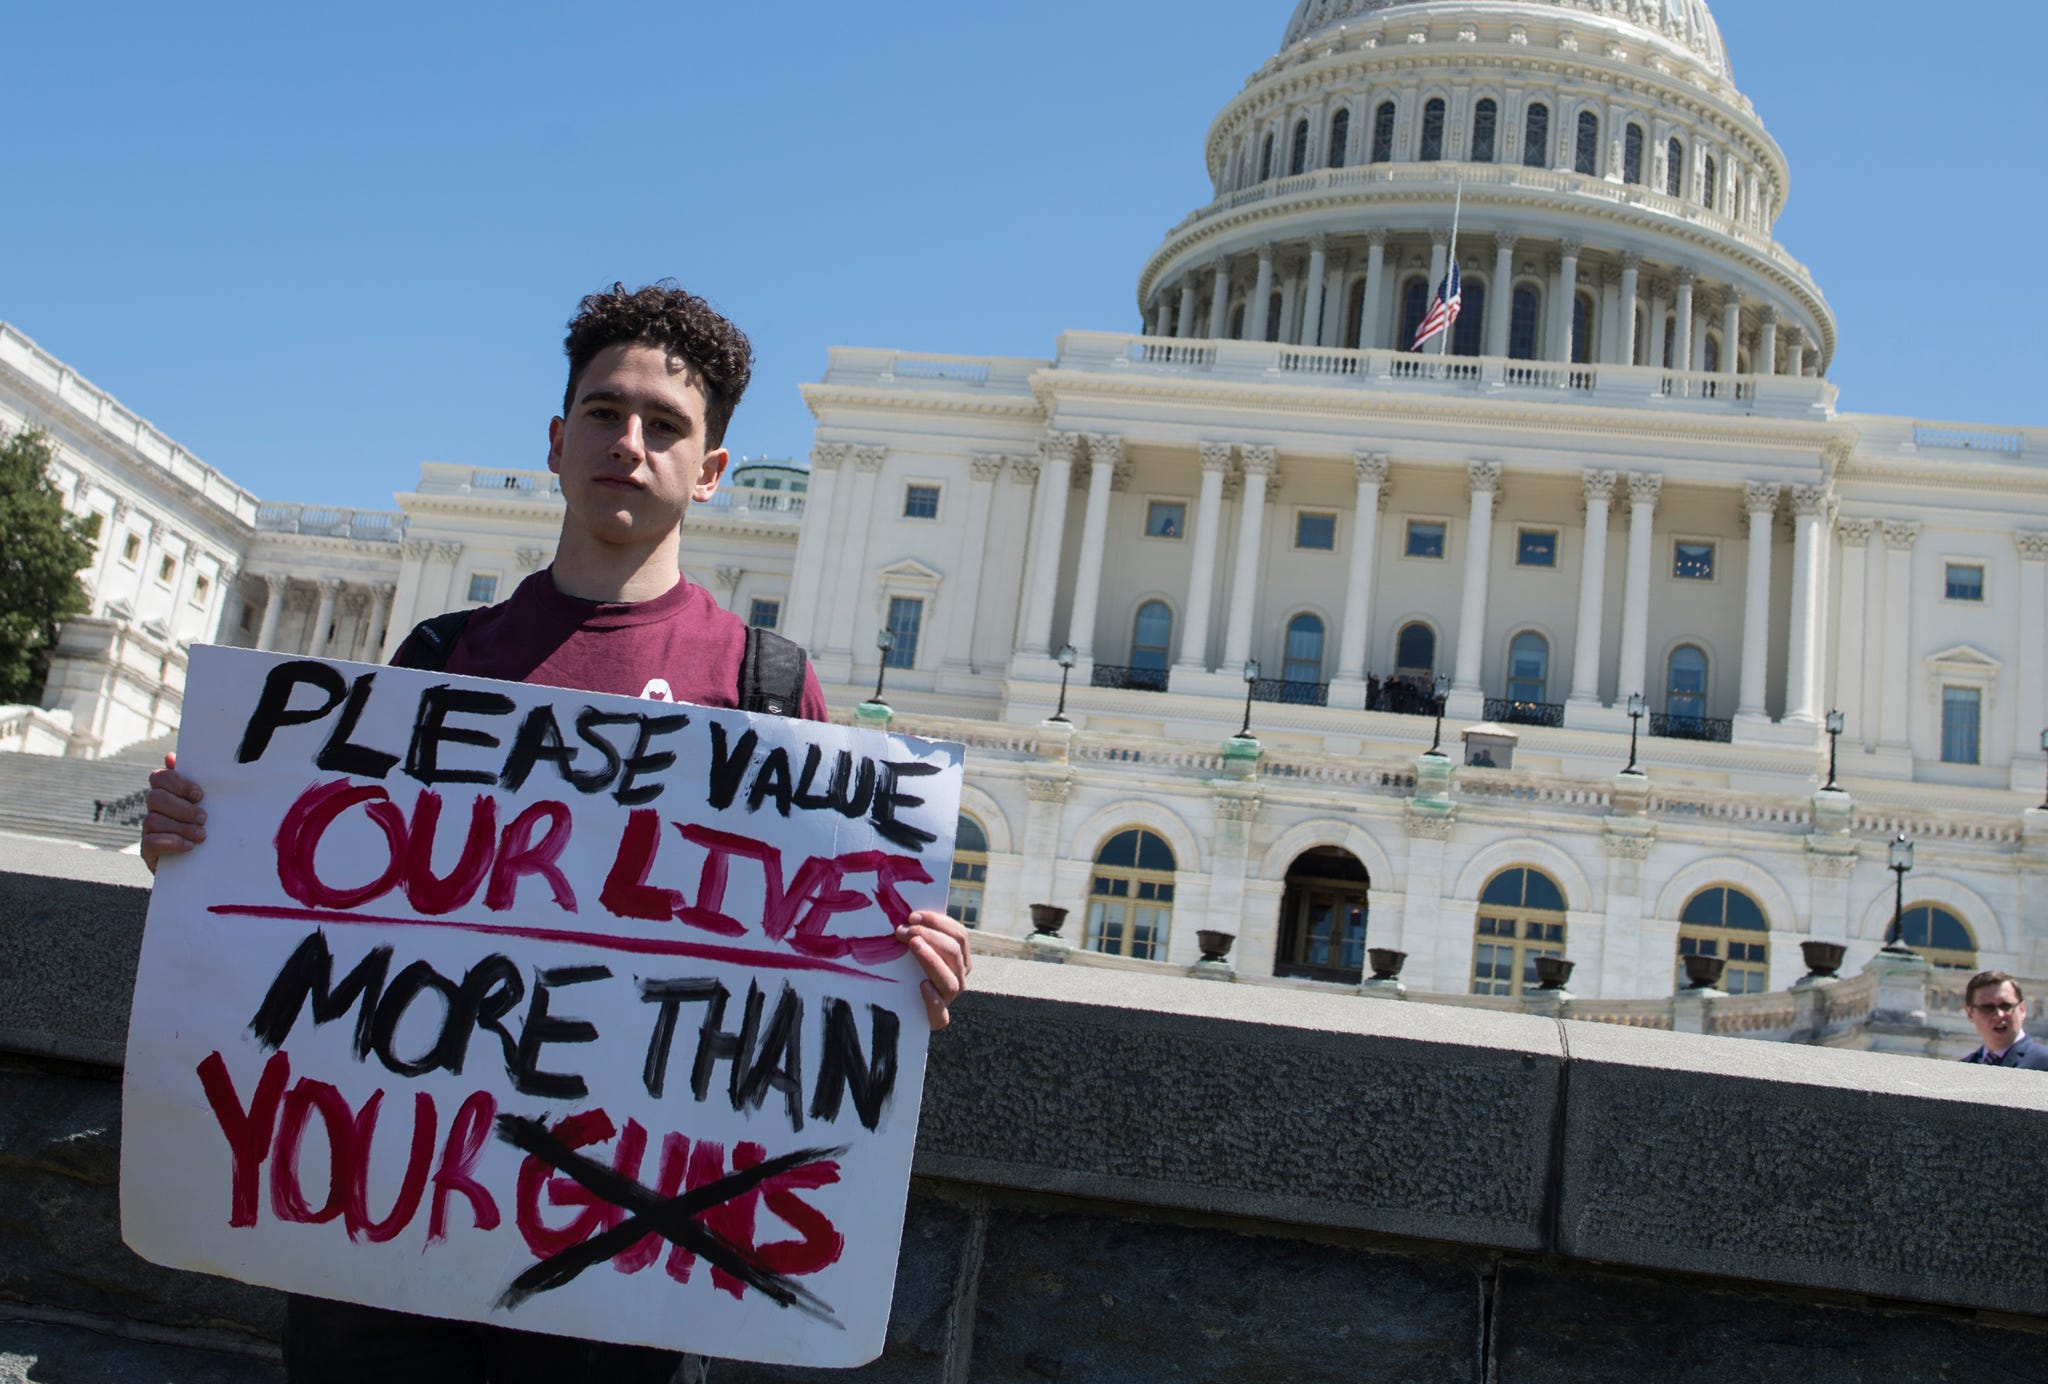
column 1999, row 1012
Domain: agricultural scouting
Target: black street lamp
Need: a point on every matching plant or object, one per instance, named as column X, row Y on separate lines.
column 1902, row 861
column 885, row 641
column 2044, row 750
column 1251, row 681
column 1635, row 723
column 1066, row 658
column 1836, row 724
column 1441, row 687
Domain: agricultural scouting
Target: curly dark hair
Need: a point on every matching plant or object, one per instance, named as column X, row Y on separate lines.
column 666, row 315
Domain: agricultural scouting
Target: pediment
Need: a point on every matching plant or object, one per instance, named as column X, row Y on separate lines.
column 910, row 570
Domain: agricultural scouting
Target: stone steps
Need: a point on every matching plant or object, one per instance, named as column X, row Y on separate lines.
column 47, row 796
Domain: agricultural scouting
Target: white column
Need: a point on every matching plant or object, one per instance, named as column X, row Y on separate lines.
column 808, row 591
column 1055, row 480
column 1375, row 290
column 1899, row 538
column 1356, row 640
column 1258, row 319
column 1334, row 300
column 1731, row 332
column 1219, row 301
column 1314, row 287
column 1809, row 505
column 1850, row 653
column 840, row 636
column 1184, row 323
column 1631, row 280
column 1760, row 499
column 1681, row 336
column 1104, row 452
column 1565, row 308
column 1795, row 360
column 1483, row 479
column 1439, row 260
column 963, row 612
column 380, row 620
column 1700, row 318
column 1766, row 362
column 1162, row 314
column 1871, row 671
column 1259, row 464
column 273, row 607
column 2030, row 712
column 316, row 643
column 1500, row 294
column 1633, row 675
column 1194, row 635
column 1598, row 487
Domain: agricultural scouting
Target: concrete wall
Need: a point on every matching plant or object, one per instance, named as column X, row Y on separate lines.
column 1130, row 1177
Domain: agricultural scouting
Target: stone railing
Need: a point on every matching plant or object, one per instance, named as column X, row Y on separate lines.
column 1959, row 437
column 866, row 365
column 1748, row 810
column 322, row 521
column 1537, row 790
column 1942, row 826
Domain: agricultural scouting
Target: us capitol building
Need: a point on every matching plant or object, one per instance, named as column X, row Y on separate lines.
column 1626, row 477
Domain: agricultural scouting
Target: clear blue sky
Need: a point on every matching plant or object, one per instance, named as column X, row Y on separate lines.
column 320, row 244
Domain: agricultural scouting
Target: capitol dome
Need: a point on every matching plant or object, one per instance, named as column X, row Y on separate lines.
column 1616, row 192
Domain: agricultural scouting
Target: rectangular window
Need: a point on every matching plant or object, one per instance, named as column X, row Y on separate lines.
column 921, row 502
column 1166, row 519
column 1691, row 561
column 1965, row 581
column 1318, row 531
column 165, row 570
column 483, row 587
column 1536, row 548
column 1425, row 538
column 1959, row 719
column 131, row 548
column 906, row 617
column 764, row 614
column 201, row 587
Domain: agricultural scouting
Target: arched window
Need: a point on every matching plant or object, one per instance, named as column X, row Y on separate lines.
column 1710, row 173
column 1130, row 897
column 1322, row 917
column 1485, row 125
column 1685, row 687
column 1467, row 333
column 1674, row 169
column 1273, row 306
column 1940, row 936
column 970, row 871
column 1266, row 158
column 1354, row 317
column 1536, row 136
column 1433, row 129
column 1522, row 325
column 1728, row 923
column 1237, row 323
column 1298, row 162
column 1582, row 329
column 1340, row 137
column 1521, row 917
column 1710, row 358
column 1528, row 668
column 1383, row 133
column 1632, row 154
column 1415, row 651
column 1586, row 156
column 1670, row 341
column 1152, row 638
column 1304, row 662
column 1414, row 303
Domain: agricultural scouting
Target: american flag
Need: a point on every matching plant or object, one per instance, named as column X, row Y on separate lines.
column 1450, row 297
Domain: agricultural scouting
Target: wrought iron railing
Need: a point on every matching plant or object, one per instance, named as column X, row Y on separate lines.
column 1668, row 726
column 1128, row 679
column 1509, row 712
column 1401, row 696
column 1292, row 693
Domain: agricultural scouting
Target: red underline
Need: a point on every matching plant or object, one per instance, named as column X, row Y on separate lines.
column 640, row 946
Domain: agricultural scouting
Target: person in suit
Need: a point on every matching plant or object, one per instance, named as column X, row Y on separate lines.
column 1999, row 1011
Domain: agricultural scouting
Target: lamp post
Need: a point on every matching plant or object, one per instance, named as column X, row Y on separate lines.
column 1902, row 861
column 1251, row 680
column 2044, row 751
column 1635, row 723
column 885, row 641
column 1440, row 688
column 1836, row 724
column 1065, row 657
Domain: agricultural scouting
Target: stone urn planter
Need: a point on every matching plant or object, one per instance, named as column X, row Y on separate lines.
column 1553, row 972
column 1823, row 959
column 1386, row 962
column 1215, row 945
column 1047, row 919
column 1704, row 972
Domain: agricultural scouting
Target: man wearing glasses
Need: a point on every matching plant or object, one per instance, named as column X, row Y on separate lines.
column 2000, row 1013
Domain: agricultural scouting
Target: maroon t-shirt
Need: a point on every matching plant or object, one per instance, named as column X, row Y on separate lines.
column 678, row 647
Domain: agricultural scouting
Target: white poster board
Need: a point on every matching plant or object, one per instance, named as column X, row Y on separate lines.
column 574, row 1013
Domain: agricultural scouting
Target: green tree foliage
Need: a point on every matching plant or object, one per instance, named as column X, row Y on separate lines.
column 42, row 551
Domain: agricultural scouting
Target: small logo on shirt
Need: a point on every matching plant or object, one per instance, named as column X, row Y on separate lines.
column 657, row 690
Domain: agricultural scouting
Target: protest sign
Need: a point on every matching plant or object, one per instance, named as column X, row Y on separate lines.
column 573, row 1013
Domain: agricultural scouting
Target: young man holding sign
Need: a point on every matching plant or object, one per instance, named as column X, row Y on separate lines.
column 654, row 376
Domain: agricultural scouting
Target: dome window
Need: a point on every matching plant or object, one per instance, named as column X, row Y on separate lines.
column 1299, row 162
column 1713, row 173
column 1674, row 169
column 1522, row 325
column 1586, row 158
column 1536, row 136
column 1340, row 136
column 1383, row 133
column 1414, row 303
column 1465, row 334
column 1632, row 154
column 1582, row 330
column 1433, row 130
column 1266, row 159
column 1485, row 121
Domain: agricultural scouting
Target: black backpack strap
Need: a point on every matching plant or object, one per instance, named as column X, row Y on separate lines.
column 772, row 674
column 432, row 641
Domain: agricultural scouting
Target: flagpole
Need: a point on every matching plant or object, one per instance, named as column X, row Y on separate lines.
column 1457, row 208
